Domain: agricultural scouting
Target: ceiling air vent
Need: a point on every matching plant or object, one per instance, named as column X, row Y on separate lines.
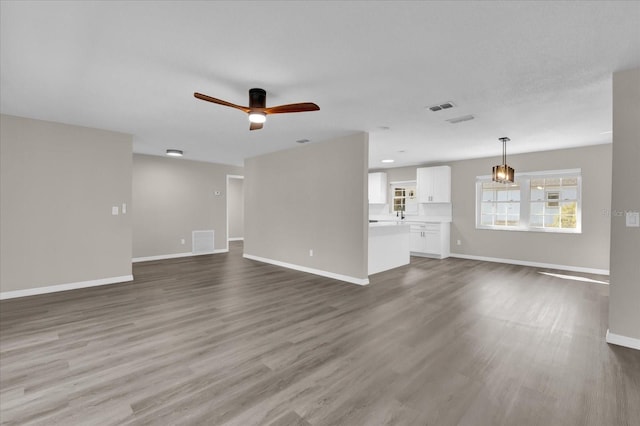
column 439, row 107
column 460, row 119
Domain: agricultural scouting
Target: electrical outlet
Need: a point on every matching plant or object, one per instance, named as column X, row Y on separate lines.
column 182, row 241
column 459, row 242
column 310, row 252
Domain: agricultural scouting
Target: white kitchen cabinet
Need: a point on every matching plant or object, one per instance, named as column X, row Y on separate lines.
column 434, row 184
column 430, row 239
column 378, row 188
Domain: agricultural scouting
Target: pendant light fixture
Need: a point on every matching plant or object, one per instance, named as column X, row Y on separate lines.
column 503, row 173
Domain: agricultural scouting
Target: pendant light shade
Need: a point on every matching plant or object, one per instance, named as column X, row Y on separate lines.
column 503, row 173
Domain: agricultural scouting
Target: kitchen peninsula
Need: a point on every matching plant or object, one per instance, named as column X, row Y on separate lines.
column 389, row 245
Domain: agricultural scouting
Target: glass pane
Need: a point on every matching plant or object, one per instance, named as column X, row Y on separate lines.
column 535, row 183
column 501, row 208
column 568, row 215
column 537, row 194
column 513, row 220
column 513, row 208
column 552, row 182
column 536, row 220
column 488, row 195
column 503, row 195
column 537, row 208
column 514, row 195
column 488, row 208
column 486, row 219
column 569, row 193
column 570, row 181
column 552, row 221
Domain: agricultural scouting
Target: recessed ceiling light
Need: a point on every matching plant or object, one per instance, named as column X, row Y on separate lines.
column 388, row 161
column 460, row 119
column 606, row 133
column 303, row 141
column 174, row 153
column 401, row 151
column 384, row 127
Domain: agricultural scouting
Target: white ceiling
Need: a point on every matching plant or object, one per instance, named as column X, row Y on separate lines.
column 537, row 72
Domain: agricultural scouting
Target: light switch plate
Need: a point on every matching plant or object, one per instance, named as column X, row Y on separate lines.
column 633, row 219
column 124, row 208
column 114, row 210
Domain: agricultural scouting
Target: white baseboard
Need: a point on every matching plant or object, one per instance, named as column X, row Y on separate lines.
column 236, row 239
column 64, row 287
column 534, row 264
column 174, row 256
column 627, row 342
column 346, row 278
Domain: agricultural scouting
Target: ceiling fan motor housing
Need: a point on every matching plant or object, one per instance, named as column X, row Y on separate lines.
column 257, row 98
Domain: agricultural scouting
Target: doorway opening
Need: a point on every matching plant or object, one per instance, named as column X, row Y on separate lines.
column 235, row 208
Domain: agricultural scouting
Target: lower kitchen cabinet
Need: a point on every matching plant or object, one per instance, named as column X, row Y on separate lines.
column 430, row 239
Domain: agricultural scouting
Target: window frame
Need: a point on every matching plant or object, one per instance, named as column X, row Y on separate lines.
column 524, row 182
column 408, row 184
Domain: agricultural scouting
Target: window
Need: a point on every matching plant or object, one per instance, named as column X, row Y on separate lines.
column 538, row 201
column 554, row 203
column 404, row 197
column 500, row 204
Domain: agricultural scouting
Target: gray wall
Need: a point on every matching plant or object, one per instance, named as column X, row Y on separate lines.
column 590, row 249
column 58, row 185
column 173, row 197
column 310, row 197
column 236, row 208
column 587, row 250
column 624, row 296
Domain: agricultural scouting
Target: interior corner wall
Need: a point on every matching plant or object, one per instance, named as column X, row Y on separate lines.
column 173, row 197
column 589, row 249
column 624, row 293
column 58, row 186
column 313, row 197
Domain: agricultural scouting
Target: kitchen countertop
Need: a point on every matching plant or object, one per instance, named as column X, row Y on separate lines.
column 382, row 224
column 412, row 219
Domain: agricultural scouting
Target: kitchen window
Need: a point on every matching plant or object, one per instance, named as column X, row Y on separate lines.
column 404, row 197
column 548, row 201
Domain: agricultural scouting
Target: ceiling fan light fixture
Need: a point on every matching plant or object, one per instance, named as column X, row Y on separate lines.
column 257, row 117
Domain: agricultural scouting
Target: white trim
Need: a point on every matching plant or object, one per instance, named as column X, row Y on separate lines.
column 236, row 239
column 534, row 264
column 64, row 287
column 227, row 207
column 627, row 342
column 175, row 256
column 346, row 278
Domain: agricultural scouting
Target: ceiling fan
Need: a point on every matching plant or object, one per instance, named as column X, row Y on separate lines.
column 257, row 108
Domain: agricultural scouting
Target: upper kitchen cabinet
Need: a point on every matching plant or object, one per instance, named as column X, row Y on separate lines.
column 434, row 184
column 378, row 188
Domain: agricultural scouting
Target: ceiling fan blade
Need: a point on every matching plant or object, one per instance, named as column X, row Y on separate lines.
column 282, row 109
column 255, row 126
column 220, row 102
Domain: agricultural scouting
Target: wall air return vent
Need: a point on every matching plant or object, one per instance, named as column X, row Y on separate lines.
column 440, row 107
column 202, row 242
column 461, row 119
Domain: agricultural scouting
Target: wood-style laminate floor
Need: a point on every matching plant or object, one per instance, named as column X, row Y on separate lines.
column 220, row 339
